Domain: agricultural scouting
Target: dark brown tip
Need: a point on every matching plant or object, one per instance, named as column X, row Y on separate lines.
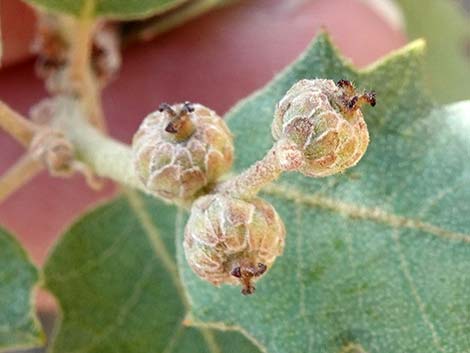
column 248, row 289
column 344, row 83
column 181, row 125
column 165, row 107
column 352, row 103
column 261, row 269
column 236, row 272
column 188, row 107
column 371, row 98
column 246, row 274
column 171, row 128
column 347, row 88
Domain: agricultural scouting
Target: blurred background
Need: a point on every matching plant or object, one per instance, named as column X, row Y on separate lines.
column 216, row 58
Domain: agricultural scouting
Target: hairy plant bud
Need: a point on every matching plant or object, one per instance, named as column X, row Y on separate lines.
column 180, row 149
column 231, row 240
column 53, row 45
column 50, row 45
column 52, row 148
column 324, row 121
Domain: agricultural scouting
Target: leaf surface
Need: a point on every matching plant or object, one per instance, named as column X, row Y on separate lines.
column 446, row 29
column 116, row 9
column 376, row 259
column 115, row 277
column 18, row 276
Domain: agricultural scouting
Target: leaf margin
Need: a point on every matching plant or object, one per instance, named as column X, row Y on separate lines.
column 38, row 340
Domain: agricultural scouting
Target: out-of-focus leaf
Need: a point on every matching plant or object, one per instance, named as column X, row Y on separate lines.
column 446, row 29
column 150, row 28
column 18, row 324
column 115, row 277
column 116, row 9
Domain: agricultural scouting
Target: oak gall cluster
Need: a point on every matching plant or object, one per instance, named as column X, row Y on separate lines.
column 232, row 236
column 181, row 149
column 324, row 121
column 233, row 241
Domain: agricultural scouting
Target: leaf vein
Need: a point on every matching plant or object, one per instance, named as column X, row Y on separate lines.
column 156, row 241
column 133, row 299
column 359, row 212
column 137, row 205
column 404, row 267
column 173, row 340
column 302, row 307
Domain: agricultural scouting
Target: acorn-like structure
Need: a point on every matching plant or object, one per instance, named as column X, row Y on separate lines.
column 230, row 240
column 324, row 121
column 181, row 149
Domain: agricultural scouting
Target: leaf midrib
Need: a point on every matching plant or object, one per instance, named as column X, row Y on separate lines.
column 354, row 211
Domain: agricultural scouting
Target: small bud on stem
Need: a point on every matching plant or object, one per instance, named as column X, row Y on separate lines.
column 324, row 121
column 283, row 156
column 233, row 240
column 319, row 130
column 181, row 149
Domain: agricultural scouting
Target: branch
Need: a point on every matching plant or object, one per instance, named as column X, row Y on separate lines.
column 47, row 147
column 254, row 178
column 263, row 172
column 81, row 73
column 16, row 125
column 107, row 157
column 26, row 168
column 112, row 159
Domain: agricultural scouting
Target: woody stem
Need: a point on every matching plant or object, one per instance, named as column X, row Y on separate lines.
column 16, row 125
column 81, row 73
column 283, row 156
column 18, row 175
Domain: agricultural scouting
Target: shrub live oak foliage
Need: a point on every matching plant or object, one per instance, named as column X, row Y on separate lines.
column 376, row 260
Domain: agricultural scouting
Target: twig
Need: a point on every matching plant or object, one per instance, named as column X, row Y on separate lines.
column 81, row 73
column 26, row 168
column 16, row 125
column 263, row 172
column 112, row 159
column 254, row 178
column 107, row 157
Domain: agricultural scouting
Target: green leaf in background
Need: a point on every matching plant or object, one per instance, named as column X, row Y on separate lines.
column 151, row 27
column 116, row 9
column 377, row 259
column 18, row 324
column 446, row 29
column 114, row 275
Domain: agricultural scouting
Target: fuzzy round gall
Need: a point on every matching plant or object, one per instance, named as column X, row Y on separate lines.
column 324, row 121
column 233, row 241
column 181, row 149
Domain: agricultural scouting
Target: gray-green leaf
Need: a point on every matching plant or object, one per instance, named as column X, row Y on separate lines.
column 116, row 9
column 156, row 25
column 446, row 29
column 376, row 259
column 18, row 324
column 115, row 277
